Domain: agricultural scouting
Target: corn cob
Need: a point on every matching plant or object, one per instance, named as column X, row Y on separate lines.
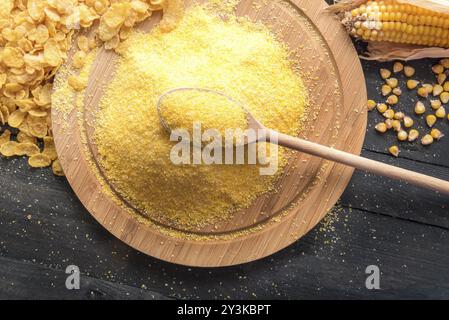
column 391, row 21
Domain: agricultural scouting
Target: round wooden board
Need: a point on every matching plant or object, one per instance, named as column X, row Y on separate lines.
column 309, row 187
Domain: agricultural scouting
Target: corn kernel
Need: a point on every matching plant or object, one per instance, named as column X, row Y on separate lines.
column 396, row 125
column 389, row 123
column 412, row 84
column 431, row 120
column 445, row 63
column 371, row 104
column 446, row 86
column 398, row 67
column 438, row 69
column 437, row 90
column 392, row 82
column 394, row 150
column 385, row 73
column 409, row 71
column 399, row 115
column 436, row 134
column 397, row 91
column 441, row 78
column 381, row 127
column 413, row 135
column 423, row 92
column 382, row 107
column 402, row 135
column 444, row 97
column 420, row 108
column 393, row 99
column 408, row 122
column 386, row 90
column 427, row 140
column 389, row 114
column 440, row 113
column 436, row 104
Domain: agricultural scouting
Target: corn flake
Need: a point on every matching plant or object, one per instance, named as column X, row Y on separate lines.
column 79, row 59
column 49, row 148
column 26, row 149
column 39, row 161
column 16, row 118
column 37, row 126
column 52, row 54
column 57, row 168
column 77, row 83
column 13, row 57
column 8, row 149
column 5, row 137
column 23, row 137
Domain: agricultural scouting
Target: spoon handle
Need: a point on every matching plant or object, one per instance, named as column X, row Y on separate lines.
column 361, row 163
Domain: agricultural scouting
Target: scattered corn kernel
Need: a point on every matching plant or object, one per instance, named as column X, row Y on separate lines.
column 389, row 114
column 409, row 71
column 389, row 123
column 398, row 67
column 399, row 115
column 413, row 135
column 408, row 122
column 420, row 108
column 381, row 127
column 441, row 78
column 444, row 97
column 386, row 90
column 394, row 150
column 437, row 90
column 427, row 140
column 382, row 107
column 431, row 120
column 392, row 82
column 446, row 86
column 436, row 134
column 397, row 91
column 412, row 84
column 445, row 63
column 396, row 125
column 440, row 113
column 393, row 99
column 371, row 104
column 402, row 135
column 436, row 104
column 385, row 74
column 423, row 92
column 438, row 69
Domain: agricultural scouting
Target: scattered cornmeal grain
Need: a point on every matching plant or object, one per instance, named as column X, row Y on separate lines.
column 223, row 55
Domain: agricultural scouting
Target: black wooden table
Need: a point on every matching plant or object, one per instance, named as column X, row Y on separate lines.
column 401, row 229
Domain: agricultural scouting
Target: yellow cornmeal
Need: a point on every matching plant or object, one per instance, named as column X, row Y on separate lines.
column 235, row 56
column 182, row 109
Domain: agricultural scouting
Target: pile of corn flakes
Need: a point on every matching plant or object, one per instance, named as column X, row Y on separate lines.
column 35, row 36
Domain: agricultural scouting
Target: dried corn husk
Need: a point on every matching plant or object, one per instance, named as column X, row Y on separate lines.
column 387, row 51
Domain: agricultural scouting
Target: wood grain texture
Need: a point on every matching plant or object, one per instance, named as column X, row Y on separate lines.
column 335, row 78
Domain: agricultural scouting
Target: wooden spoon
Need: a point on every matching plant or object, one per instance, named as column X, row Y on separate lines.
column 315, row 149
